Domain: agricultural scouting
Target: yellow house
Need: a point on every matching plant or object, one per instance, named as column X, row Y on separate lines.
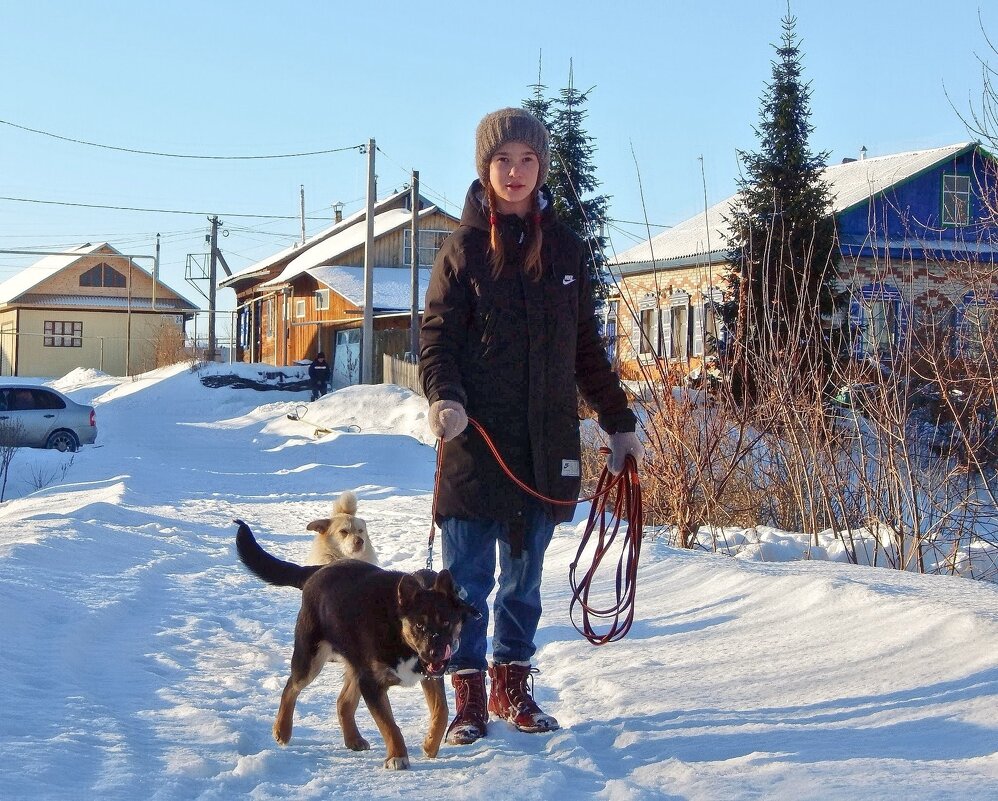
column 91, row 307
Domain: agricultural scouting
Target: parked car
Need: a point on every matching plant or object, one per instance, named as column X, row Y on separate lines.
column 39, row 417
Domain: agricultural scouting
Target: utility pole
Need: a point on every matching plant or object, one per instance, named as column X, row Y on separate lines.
column 367, row 329
column 414, row 237
column 212, row 276
column 155, row 273
column 302, row 205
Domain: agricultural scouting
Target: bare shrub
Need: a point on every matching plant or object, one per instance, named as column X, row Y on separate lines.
column 11, row 435
column 169, row 346
column 894, row 455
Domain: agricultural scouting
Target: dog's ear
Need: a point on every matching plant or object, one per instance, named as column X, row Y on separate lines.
column 408, row 587
column 445, row 583
column 318, row 525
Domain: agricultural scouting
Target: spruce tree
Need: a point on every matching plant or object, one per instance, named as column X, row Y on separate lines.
column 572, row 178
column 782, row 245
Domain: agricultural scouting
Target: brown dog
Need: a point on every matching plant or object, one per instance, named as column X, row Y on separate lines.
column 341, row 536
column 386, row 627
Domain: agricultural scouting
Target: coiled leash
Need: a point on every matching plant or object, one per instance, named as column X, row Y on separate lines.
column 606, row 516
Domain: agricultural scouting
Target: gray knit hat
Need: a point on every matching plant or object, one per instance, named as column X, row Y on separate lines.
column 511, row 125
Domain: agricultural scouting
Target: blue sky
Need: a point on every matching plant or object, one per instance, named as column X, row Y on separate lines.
column 673, row 83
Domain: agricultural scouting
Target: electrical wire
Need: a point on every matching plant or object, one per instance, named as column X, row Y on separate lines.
column 153, row 211
column 180, row 155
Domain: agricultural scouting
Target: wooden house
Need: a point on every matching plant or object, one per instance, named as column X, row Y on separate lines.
column 918, row 238
column 310, row 297
column 88, row 307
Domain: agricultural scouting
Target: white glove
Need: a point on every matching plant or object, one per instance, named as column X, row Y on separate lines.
column 621, row 445
column 447, row 419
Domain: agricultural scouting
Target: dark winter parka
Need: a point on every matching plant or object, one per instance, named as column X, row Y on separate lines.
column 512, row 350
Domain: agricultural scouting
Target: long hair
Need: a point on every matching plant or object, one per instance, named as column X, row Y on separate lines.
column 497, row 253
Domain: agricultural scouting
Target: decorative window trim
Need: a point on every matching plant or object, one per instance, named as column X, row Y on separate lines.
column 644, row 335
column 703, row 311
column 63, row 334
column 673, row 343
column 322, row 300
column 860, row 316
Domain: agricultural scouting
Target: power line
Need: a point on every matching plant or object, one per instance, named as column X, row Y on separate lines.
column 181, row 155
column 152, row 211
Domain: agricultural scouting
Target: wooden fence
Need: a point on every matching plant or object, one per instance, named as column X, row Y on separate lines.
column 401, row 372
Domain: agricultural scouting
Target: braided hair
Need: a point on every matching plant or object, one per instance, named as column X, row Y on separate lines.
column 497, row 253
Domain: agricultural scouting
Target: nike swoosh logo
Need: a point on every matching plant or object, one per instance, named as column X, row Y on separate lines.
column 568, row 279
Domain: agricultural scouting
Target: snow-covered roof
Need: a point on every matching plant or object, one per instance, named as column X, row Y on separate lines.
column 312, row 241
column 42, row 270
column 343, row 242
column 392, row 290
column 18, row 286
column 849, row 183
column 107, row 302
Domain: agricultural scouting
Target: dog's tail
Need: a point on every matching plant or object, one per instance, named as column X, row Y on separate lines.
column 270, row 568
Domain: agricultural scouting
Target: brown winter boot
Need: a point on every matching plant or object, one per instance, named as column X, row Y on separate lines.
column 472, row 718
column 511, row 699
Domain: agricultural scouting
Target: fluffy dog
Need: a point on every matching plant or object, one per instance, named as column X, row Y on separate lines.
column 386, row 627
column 341, row 536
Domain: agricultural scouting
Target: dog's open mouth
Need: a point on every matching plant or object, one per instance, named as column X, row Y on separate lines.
column 437, row 667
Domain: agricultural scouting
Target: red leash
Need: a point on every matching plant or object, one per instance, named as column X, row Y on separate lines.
column 606, row 514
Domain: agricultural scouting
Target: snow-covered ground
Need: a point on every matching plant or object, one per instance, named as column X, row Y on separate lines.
column 138, row 659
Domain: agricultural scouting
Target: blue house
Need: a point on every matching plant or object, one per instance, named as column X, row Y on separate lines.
column 918, row 233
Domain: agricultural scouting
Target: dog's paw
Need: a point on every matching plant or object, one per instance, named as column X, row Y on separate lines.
column 359, row 744
column 282, row 735
column 431, row 748
column 397, row 763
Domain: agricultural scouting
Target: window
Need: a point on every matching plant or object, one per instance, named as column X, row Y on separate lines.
column 268, row 317
column 429, row 243
column 610, row 329
column 103, row 275
column 675, row 330
column 708, row 329
column 880, row 318
column 63, row 334
column 299, row 309
column 644, row 331
column 321, row 300
column 975, row 334
column 647, row 331
column 881, row 333
column 956, row 200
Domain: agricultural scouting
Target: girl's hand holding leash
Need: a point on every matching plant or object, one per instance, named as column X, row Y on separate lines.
column 448, row 418
column 622, row 445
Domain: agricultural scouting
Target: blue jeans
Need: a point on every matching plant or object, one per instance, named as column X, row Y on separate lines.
column 469, row 553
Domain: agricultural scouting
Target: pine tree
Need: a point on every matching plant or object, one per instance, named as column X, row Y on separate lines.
column 572, row 178
column 782, row 248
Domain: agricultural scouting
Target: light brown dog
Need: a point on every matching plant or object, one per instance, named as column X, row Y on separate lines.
column 341, row 536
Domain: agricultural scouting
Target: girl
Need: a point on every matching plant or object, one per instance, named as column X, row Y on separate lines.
column 509, row 330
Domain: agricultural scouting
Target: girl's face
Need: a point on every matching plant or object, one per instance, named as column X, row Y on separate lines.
column 513, row 174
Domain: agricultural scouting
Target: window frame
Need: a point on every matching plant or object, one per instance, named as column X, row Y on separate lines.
column 321, row 300
column 300, row 308
column 438, row 234
column 74, row 334
column 950, row 215
column 103, row 276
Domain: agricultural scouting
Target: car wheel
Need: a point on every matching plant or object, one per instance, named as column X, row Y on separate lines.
column 63, row 441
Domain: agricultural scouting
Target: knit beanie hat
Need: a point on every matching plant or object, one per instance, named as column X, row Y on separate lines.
column 511, row 125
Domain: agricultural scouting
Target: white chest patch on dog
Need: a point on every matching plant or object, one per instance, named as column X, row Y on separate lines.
column 406, row 671
column 570, row 467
